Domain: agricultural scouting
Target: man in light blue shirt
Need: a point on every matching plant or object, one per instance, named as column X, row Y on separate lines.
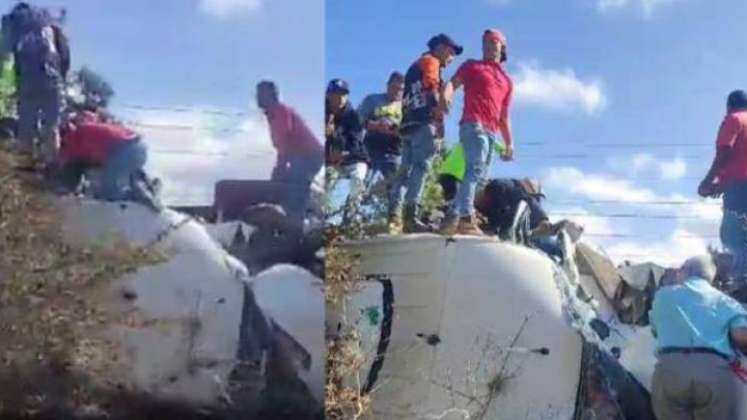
column 699, row 331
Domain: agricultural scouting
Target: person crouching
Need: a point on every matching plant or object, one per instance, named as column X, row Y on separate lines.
column 89, row 142
column 699, row 331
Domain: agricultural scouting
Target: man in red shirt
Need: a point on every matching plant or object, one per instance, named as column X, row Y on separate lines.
column 299, row 154
column 90, row 142
column 487, row 98
column 728, row 176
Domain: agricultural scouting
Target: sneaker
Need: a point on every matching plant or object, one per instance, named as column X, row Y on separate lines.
column 467, row 226
column 411, row 222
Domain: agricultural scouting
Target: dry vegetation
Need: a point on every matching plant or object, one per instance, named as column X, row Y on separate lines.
column 48, row 315
column 345, row 399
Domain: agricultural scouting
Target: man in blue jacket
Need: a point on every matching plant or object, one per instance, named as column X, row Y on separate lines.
column 345, row 153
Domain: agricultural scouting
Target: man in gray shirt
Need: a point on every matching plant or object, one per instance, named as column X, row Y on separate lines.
column 381, row 115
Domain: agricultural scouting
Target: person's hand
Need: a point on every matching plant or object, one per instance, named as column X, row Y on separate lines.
column 374, row 126
column 334, row 157
column 437, row 113
column 280, row 171
column 329, row 130
column 444, row 106
column 440, row 130
column 508, row 153
column 707, row 188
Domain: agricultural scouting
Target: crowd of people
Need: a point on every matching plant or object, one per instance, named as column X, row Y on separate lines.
column 77, row 144
column 700, row 329
column 397, row 134
column 71, row 144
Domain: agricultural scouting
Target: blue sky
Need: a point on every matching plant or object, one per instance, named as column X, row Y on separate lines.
column 197, row 55
column 616, row 99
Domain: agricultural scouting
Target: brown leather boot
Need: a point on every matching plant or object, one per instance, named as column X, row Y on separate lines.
column 468, row 226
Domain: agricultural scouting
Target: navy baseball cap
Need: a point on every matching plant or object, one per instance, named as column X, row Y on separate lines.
column 445, row 39
column 338, row 85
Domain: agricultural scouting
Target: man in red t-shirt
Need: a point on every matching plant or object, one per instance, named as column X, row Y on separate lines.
column 88, row 142
column 728, row 176
column 487, row 98
column 300, row 155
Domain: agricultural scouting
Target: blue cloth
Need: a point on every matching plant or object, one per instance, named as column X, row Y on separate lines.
column 418, row 149
column 695, row 314
column 388, row 167
column 733, row 235
column 478, row 144
column 124, row 160
column 550, row 245
column 39, row 112
column 300, row 174
column 735, row 197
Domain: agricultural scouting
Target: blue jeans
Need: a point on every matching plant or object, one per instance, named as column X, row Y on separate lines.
column 733, row 235
column 123, row 161
column 550, row 245
column 418, row 149
column 39, row 113
column 388, row 167
column 477, row 144
column 299, row 175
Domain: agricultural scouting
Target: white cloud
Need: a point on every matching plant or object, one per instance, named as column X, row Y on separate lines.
column 671, row 170
column 674, row 169
column 646, row 7
column 585, row 218
column 227, row 8
column 557, row 89
column 671, row 251
column 190, row 151
column 667, row 234
column 595, row 187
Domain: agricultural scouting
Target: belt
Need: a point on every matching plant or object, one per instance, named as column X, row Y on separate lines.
column 689, row 350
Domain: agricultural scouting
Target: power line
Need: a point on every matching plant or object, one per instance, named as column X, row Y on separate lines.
column 596, row 145
column 629, row 216
column 637, row 202
column 179, row 127
column 185, row 109
column 197, row 153
column 582, row 156
column 627, row 235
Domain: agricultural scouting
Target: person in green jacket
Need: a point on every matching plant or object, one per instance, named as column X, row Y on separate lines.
column 451, row 171
column 7, row 85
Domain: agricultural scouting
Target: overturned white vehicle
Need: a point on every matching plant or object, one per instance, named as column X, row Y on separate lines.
column 476, row 328
column 194, row 335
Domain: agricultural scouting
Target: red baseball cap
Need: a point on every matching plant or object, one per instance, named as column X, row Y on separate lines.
column 495, row 35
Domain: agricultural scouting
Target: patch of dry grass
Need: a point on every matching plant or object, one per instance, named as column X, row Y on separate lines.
column 48, row 310
column 345, row 399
